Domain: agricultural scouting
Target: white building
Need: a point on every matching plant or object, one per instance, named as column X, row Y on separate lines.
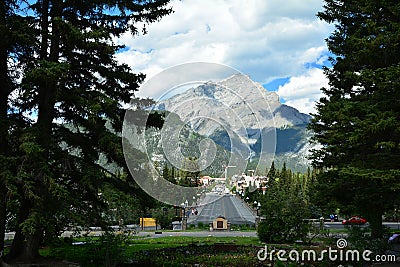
column 243, row 181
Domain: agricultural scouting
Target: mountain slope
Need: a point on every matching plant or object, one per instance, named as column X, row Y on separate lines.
column 238, row 114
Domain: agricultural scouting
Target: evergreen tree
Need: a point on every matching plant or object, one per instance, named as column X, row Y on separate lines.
column 190, row 173
column 271, row 173
column 284, row 207
column 74, row 86
column 173, row 175
column 14, row 46
column 357, row 121
column 5, row 90
column 166, row 172
column 169, row 174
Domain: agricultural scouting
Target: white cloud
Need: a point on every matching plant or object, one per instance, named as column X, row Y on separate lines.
column 302, row 91
column 265, row 39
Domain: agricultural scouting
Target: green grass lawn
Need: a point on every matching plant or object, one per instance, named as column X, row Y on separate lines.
column 96, row 250
column 112, row 250
column 138, row 243
column 188, row 240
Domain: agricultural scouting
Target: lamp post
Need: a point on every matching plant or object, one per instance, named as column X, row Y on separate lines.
column 184, row 217
column 186, row 205
column 256, row 206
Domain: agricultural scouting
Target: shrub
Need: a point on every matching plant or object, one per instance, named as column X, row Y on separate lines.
column 359, row 238
column 283, row 220
column 107, row 250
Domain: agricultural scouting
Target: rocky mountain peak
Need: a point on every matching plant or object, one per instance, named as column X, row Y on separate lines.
column 238, row 114
column 237, row 95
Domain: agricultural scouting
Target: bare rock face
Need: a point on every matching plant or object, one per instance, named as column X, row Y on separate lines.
column 237, row 112
column 236, row 102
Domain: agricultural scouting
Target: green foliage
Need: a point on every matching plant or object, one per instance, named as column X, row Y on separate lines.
column 163, row 219
column 189, row 146
column 286, row 225
column 70, row 82
column 201, row 225
column 360, row 239
column 284, row 208
column 189, row 174
column 233, row 189
column 112, row 250
column 121, row 207
column 357, row 120
column 107, row 250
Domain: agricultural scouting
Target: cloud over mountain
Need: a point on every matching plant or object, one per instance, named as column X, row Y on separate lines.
column 266, row 39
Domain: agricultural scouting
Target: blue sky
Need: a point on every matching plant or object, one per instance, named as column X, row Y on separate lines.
column 280, row 46
column 274, row 84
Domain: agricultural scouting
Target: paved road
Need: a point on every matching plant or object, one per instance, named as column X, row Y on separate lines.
column 152, row 234
column 226, row 205
column 200, row 234
column 339, row 225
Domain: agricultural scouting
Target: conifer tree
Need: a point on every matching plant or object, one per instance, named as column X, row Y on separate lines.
column 14, row 46
column 284, row 208
column 75, row 90
column 271, row 173
column 358, row 120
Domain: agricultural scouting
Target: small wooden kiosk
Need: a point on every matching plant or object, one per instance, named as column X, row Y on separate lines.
column 220, row 223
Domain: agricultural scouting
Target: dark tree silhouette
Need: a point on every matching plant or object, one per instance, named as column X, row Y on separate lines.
column 358, row 120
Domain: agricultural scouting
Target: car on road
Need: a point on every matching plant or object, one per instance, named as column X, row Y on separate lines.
column 355, row 220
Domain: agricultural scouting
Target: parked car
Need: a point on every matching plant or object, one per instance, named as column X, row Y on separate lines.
column 355, row 220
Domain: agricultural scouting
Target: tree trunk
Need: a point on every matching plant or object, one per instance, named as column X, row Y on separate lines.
column 30, row 250
column 375, row 221
column 3, row 214
column 19, row 239
column 27, row 248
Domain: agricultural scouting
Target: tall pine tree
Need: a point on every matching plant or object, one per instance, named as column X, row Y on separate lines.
column 75, row 90
column 358, row 120
column 14, row 46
